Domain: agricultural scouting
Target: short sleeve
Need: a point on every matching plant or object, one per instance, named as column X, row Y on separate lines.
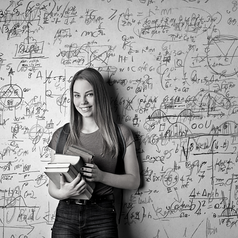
column 54, row 140
column 127, row 134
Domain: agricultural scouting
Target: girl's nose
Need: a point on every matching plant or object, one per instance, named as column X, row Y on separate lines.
column 84, row 100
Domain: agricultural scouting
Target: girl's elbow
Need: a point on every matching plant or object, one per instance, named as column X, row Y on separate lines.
column 136, row 183
column 50, row 192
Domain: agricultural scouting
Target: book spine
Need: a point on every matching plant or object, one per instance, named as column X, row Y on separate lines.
column 69, row 175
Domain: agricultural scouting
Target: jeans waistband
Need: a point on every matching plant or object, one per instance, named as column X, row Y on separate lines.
column 93, row 200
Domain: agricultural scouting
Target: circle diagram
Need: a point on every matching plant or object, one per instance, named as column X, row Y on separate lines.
column 11, row 95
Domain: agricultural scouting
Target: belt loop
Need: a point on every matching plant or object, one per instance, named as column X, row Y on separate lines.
column 81, row 202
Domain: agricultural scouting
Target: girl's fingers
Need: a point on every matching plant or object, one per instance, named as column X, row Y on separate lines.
column 81, row 185
column 87, row 170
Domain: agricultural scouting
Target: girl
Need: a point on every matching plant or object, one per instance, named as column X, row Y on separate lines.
column 92, row 127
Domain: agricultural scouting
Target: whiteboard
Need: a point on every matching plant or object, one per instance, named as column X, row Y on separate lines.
column 171, row 69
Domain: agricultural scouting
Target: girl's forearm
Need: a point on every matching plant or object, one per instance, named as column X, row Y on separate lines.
column 123, row 181
column 56, row 193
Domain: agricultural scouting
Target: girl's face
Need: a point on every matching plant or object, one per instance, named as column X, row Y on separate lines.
column 83, row 97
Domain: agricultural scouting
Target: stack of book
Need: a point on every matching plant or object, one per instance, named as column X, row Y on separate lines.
column 70, row 165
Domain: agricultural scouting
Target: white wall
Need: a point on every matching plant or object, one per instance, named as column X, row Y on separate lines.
column 171, row 68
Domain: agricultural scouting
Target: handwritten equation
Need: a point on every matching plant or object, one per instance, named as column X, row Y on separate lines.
column 171, row 69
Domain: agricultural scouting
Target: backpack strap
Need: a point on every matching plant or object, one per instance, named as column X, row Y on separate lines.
column 120, row 169
column 62, row 138
column 122, row 151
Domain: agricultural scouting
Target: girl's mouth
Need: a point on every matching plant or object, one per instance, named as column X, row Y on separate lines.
column 86, row 109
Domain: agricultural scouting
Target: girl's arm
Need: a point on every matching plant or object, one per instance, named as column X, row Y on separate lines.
column 129, row 180
column 66, row 190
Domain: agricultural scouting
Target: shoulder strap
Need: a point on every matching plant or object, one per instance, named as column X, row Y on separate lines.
column 120, row 167
column 62, row 138
column 122, row 151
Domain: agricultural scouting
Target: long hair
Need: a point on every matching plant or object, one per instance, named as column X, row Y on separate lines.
column 102, row 112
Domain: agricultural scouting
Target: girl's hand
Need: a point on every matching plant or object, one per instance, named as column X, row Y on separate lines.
column 92, row 173
column 74, row 188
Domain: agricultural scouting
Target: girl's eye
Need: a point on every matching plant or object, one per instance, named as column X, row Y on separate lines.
column 86, row 95
column 89, row 95
column 76, row 95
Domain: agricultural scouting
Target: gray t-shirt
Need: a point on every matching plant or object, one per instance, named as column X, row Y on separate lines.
column 94, row 143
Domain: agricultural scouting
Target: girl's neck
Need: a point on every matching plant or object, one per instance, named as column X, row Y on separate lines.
column 89, row 126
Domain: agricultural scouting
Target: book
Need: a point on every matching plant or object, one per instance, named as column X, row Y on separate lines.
column 76, row 160
column 86, row 155
column 70, row 174
column 70, row 166
column 53, row 171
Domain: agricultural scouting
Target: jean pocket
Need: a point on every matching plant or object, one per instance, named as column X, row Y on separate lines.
column 106, row 205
